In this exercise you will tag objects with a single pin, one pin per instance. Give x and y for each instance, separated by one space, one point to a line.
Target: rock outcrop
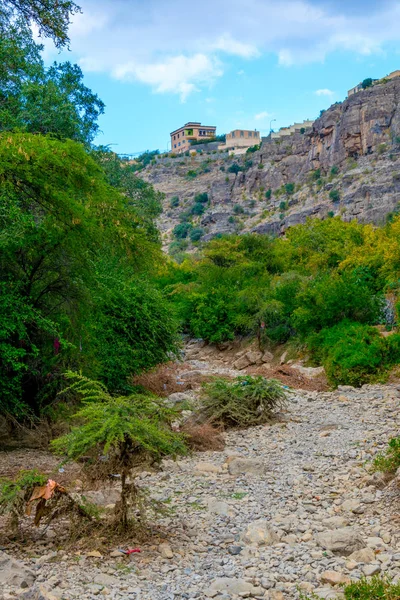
353 148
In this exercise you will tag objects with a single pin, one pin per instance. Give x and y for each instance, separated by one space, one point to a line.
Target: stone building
181 138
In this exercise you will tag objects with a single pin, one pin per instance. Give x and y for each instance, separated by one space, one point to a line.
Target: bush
244 402
334 171
202 198
128 430
282 205
367 83
375 588
191 174
14 494
197 209
289 188
181 231
234 168
174 202
238 210
253 149
203 437
196 234
389 462
334 195
268 194
352 353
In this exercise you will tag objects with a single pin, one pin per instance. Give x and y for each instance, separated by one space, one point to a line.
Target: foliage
196 234
334 170
334 195
373 588
71 247
234 168
389 461
174 202
197 209
352 353
268 194
238 210
289 188
367 83
127 430
14 494
253 149
243 402
51 18
181 230
201 198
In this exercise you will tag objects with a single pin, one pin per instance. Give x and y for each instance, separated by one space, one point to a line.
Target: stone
240 466
217 507
241 363
205 468
38 593
260 533
353 506
335 522
365 555
342 541
267 357
104 579
370 570
229 586
334 578
94 554
253 357
14 573
165 550
178 397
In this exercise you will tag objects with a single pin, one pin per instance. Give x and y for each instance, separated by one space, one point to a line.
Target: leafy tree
51 18
268 194
196 234
202 198
334 195
174 202
234 168
128 430
181 231
366 83
197 209
289 188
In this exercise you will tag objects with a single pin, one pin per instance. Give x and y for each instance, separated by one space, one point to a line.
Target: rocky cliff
348 163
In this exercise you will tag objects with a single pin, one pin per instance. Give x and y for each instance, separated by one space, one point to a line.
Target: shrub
282 205
197 209
352 353
253 149
248 164
128 430
302 130
375 588
202 198
289 188
222 168
234 168
14 494
238 210
191 174
334 195
260 165
181 231
196 234
203 437
227 179
334 171
367 83
174 202
268 194
381 149
243 402
389 462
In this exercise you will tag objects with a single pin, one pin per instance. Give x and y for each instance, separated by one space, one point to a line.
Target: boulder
260 533
177 397
218 507
205 468
14 572
165 551
232 586
334 578
344 541
365 555
37 593
241 363
253 357
241 466
267 357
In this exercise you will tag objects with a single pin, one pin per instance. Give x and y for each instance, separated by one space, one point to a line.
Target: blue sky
231 63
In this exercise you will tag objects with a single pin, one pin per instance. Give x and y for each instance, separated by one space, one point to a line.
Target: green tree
51 18
367 83
129 430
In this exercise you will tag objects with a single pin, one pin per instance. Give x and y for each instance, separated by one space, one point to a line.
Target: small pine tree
127 430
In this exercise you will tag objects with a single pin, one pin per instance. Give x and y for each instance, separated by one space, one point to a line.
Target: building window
179 143
242 134
183 133
174 145
233 134
250 134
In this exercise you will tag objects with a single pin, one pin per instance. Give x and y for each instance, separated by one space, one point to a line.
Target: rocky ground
283 507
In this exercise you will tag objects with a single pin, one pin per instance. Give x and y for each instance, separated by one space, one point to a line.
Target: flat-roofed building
181 138
242 138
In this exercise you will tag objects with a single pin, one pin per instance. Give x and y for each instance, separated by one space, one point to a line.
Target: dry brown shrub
163 380
203 436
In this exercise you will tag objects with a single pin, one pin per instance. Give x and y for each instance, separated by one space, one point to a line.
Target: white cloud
262 116
240 72
324 92
177 74
180 46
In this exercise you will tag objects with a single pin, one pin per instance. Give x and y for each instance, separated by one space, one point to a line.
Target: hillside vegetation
324 288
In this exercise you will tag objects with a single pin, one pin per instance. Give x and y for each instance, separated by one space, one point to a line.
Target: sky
251 64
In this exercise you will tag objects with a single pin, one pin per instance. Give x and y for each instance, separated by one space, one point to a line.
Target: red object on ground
130 551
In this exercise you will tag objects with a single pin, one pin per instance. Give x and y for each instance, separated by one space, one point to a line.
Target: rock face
14 572
359 138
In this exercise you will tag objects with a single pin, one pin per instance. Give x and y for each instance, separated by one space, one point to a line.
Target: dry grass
203 436
163 380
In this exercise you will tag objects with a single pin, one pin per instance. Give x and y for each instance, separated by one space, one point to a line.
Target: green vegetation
244 402
201 198
234 168
181 231
197 209
174 202
374 588
322 287
238 210
367 83
334 195
130 430
389 461
334 171
196 234
14 494
268 194
289 188
253 149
